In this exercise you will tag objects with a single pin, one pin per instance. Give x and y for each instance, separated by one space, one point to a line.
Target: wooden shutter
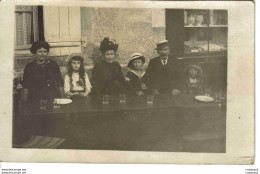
62 29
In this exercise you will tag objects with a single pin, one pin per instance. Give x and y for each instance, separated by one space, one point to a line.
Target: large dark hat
38 45
134 57
107 44
162 43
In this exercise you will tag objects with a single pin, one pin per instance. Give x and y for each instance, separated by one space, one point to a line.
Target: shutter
62 29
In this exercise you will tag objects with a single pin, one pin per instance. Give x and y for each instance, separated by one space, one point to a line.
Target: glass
122 98
150 99
106 99
207 92
43 104
56 104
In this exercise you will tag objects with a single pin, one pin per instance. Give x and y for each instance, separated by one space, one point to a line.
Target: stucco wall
131 28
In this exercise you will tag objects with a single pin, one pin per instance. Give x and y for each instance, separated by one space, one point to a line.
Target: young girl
76 82
135 77
193 82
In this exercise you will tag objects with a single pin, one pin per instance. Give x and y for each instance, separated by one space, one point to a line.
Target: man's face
164 52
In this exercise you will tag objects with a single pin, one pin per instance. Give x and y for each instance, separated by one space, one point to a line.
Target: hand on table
155 91
139 93
176 92
127 79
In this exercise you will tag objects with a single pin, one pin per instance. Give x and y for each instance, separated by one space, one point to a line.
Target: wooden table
134 125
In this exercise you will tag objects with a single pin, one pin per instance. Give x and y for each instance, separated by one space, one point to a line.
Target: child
135 76
76 81
193 82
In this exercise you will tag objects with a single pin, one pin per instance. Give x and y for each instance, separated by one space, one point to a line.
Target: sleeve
96 82
66 84
87 84
149 80
26 77
120 74
57 74
178 80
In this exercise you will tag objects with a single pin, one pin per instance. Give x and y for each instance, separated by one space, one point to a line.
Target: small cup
207 92
106 99
122 98
43 104
56 104
150 99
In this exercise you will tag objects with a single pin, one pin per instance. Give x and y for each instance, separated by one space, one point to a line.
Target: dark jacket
42 81
107 78
164 78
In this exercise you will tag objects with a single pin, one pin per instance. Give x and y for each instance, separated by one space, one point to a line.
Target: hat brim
162 45
130 63
199 68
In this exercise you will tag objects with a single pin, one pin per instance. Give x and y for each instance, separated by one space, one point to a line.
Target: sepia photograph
120 79
127 82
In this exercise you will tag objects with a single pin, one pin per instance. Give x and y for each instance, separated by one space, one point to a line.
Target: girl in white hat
135 77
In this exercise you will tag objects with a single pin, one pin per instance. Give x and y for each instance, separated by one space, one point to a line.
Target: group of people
42 77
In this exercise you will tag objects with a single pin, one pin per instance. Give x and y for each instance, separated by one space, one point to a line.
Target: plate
204 98
62 101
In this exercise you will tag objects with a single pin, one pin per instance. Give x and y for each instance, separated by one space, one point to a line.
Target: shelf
205 26
220 26
192 26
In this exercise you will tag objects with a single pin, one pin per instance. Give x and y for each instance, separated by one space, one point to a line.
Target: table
167 125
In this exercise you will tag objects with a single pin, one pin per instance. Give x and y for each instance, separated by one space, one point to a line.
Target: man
163 74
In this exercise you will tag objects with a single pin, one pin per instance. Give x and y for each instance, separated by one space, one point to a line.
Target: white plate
204 98
62 101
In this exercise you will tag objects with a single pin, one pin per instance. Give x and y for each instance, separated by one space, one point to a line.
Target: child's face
138 64
75 65
109 56
193 72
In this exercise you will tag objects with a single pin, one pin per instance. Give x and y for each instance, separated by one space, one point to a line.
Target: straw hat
134 57
162 43
197 66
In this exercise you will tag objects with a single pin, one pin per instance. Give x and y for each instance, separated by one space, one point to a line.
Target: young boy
193 82
135 77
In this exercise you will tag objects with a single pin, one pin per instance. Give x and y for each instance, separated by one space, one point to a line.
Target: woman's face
109 56
41 54
138 64
193 72
75 64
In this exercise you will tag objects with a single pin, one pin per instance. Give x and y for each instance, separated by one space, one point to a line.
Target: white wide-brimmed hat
134 57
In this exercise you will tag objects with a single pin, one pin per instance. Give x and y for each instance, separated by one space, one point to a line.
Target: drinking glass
43 104
122 98
207 92
150 99
56 104
106 99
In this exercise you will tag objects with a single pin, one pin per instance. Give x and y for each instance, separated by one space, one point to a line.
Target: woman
107 76
42 77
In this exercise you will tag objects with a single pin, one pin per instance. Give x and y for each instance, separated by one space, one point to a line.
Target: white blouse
75 85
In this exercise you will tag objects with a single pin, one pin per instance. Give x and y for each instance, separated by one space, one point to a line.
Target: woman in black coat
107 76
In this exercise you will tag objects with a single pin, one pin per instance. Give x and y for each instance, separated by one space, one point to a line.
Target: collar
191 80
140 76
166 61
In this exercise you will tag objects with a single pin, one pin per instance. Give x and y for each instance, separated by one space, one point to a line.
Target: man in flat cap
163 74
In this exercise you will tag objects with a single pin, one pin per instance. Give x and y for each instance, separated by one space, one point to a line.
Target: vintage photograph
125 79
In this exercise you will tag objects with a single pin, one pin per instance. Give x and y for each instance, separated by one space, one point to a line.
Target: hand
139 93
83 94
143 86
155 91
176 92
127 79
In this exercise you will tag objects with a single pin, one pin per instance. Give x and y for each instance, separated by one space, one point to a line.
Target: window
29 26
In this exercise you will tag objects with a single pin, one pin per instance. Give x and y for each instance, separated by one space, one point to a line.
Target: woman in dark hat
42 78
107 76
135 77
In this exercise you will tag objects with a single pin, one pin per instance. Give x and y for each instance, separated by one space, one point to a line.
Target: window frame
34 12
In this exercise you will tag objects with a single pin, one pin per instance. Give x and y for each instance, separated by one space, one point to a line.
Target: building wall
133 29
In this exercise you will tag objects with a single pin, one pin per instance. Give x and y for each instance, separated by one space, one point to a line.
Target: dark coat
164 78
107 78
42 81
